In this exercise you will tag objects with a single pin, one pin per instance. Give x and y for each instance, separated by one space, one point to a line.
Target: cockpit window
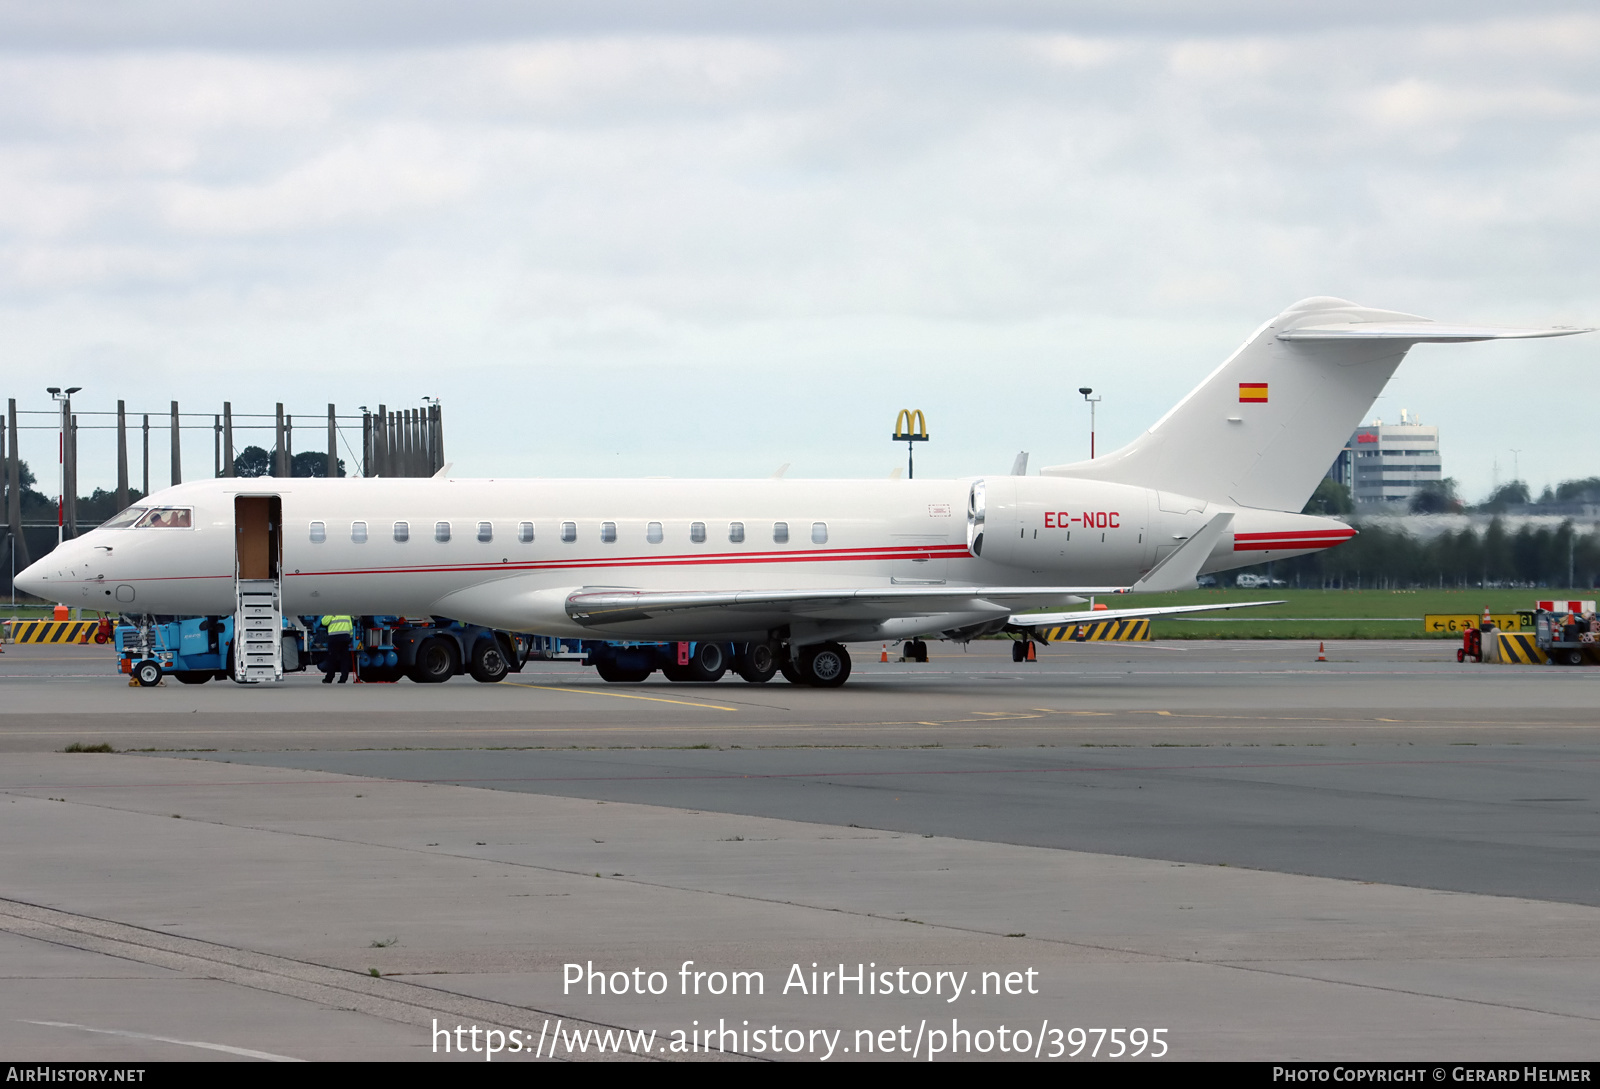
125 519
166 518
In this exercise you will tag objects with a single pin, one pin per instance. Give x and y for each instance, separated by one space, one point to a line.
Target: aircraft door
258 536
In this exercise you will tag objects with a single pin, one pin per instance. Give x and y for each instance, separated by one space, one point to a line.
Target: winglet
1179 570
1019 467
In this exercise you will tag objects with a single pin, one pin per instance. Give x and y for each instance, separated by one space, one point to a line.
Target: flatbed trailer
1566 632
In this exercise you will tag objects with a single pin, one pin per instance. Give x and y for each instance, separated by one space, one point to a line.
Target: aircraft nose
35 579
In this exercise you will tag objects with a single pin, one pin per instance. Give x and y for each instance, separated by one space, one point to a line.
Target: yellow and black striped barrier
1519 648
1100 631
50 631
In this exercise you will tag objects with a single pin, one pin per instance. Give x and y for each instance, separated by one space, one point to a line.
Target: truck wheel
613 673
708 663
1574 657
193 676
825 666
435 662
756 662
147 673
489 661
1461 655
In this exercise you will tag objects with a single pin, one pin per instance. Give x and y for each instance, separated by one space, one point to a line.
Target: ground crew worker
339 629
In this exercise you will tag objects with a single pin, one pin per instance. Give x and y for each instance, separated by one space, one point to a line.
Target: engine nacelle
1100 532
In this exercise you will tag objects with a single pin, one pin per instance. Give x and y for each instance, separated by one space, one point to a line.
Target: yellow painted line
618 695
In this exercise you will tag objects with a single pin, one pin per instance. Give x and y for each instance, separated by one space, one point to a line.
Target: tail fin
1263 428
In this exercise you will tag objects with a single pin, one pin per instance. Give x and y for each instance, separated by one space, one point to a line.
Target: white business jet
778 574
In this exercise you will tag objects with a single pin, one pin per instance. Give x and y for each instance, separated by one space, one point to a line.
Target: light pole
64 399
1085 390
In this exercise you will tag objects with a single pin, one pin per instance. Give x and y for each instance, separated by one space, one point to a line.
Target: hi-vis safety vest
338 625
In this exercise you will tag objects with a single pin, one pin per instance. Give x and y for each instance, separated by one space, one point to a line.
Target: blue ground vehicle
193 649
196 649
427 650
689 661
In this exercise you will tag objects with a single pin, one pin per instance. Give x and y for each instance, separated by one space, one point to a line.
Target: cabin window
441 531
524 532
319 532
653 533
569 531
608 532
358 532
402 531
819 533
125 519
486 531
736 532
697 532
166 518
780 532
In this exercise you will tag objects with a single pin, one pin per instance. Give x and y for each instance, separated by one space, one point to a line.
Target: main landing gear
826 665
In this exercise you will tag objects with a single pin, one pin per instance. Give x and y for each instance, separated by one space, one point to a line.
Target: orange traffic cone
1322 654
1033 655
884 655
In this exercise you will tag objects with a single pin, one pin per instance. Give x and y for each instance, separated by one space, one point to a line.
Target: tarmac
1383 856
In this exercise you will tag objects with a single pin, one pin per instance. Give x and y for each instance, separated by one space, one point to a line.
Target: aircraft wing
601 607
1090 616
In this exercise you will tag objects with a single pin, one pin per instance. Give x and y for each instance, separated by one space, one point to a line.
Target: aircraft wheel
193 676
825 666
613 673
757 662
489 661
147 673
916 650
435 662
1019 651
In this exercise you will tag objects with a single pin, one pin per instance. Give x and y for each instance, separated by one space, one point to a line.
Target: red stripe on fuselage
840 555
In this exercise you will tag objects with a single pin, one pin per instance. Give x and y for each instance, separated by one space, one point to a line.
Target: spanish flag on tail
1252 393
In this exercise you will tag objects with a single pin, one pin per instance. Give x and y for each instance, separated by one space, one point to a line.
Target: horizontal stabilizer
1421 332
1088 616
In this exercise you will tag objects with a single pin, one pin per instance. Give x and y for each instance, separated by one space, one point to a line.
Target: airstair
258 632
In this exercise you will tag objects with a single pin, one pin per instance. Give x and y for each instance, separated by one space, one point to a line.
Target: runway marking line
244 1051
617 695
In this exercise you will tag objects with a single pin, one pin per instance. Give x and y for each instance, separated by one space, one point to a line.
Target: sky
709 239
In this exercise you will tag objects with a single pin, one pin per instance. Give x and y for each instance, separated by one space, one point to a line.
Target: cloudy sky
710 238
